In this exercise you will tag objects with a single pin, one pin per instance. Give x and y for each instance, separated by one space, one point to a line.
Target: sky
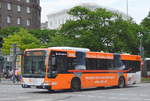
137 9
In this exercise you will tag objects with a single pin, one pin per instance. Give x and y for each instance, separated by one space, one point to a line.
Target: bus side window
71 63
104 64
80 61
135 65
62 63
118 63
91 64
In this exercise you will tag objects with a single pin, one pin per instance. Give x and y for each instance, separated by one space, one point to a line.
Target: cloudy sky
138 9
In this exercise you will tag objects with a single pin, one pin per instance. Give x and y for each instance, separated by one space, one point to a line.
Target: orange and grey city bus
58 68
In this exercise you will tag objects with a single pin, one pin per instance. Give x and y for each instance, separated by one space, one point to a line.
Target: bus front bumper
36 86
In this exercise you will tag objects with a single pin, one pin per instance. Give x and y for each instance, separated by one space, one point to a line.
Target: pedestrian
17 75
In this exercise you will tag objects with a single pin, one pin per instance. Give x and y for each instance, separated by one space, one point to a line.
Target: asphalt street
138 92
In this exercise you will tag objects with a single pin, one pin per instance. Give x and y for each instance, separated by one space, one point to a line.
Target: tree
146 21
22 39
45 36
145 24
4 32
101 30
60 40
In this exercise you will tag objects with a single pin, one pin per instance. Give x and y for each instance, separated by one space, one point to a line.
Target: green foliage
145 24
43 35
22 39
60 40
101 30
97 29
146 21
8 31
145 79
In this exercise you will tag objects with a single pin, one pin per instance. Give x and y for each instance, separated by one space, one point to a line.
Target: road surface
138 92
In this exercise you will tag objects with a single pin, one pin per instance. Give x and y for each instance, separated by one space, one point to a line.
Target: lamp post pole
14 61
127 7
141 48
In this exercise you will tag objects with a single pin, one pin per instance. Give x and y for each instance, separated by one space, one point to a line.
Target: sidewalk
8 82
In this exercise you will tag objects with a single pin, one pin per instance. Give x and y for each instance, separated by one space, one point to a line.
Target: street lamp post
141 48
127 7
14 60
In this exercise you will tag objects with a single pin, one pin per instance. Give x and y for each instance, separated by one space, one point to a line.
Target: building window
8 19
28 22
27 1
19 8
28 10
9 6
19 21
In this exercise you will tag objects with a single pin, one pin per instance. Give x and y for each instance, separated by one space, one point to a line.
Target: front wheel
121 83
75 85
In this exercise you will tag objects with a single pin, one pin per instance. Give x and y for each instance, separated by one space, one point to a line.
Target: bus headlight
46 83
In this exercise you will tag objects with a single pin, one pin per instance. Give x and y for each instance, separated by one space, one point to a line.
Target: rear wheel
75 84
121 83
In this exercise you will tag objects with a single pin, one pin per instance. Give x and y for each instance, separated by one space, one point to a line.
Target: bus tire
75 84
121 82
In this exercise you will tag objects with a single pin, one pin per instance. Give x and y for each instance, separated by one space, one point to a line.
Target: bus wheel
75 84
121 83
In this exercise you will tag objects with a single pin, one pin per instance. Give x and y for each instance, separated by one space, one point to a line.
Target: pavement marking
91 96
123 98
103 93
80 95
122 94
137 99
146 99
143 95
100 96
9 99
113 98
40 100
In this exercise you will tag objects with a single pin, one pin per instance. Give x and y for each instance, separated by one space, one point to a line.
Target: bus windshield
34 64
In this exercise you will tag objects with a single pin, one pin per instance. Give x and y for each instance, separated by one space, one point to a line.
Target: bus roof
35 49
147 58
130 57
71 48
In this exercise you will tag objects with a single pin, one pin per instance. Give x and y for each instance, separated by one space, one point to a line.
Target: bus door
57 72
57 63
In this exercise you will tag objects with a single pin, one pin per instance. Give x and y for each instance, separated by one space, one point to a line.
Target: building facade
55 20
23 13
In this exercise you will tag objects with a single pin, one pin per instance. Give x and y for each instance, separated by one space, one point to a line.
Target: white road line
9 99
146 99
122 94
100 96
137 99
91 96
41 100
123 98
113 98
143 95
80 95
103 93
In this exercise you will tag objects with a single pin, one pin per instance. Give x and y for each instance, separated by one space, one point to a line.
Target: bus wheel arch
121 82
75 84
